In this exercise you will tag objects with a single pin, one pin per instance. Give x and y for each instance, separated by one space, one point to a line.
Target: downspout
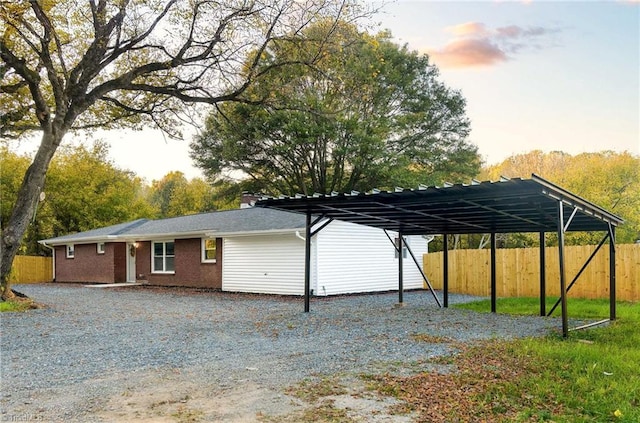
53 258
314 281
298 235
428 238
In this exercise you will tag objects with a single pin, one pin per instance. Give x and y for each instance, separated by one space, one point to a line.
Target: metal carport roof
511 205
507 206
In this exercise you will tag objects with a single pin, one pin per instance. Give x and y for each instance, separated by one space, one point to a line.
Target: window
209 250
100 247
71 251
404 247
163 257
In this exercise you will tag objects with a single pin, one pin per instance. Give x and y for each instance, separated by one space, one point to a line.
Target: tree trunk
25 206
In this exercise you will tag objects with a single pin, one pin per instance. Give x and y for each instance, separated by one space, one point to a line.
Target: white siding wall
355 258
270 264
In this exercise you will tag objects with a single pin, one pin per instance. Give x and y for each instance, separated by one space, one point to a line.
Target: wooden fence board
28 269
518 274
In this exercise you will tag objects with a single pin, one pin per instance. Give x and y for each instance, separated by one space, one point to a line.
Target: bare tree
68 65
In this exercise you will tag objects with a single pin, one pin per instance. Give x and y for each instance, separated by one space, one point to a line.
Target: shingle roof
229 222
100 233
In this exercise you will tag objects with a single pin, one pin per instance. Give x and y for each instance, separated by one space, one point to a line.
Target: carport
507 206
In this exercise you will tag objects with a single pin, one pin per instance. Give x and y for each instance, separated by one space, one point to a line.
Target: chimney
248 200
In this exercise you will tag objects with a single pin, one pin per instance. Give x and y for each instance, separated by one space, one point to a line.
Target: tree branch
31 77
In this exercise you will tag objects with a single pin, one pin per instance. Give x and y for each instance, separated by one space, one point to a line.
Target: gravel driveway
95 352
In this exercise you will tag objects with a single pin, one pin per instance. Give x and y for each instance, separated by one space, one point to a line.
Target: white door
131 262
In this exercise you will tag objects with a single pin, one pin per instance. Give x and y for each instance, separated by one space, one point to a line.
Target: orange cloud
468 52
476 45
467 29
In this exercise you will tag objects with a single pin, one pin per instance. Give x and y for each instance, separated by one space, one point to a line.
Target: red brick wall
87 265
189 270
143 261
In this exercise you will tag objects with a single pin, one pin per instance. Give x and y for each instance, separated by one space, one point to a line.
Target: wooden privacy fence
28 269
518 271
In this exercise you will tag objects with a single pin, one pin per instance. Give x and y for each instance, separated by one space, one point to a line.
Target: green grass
15 306
576 308
593 376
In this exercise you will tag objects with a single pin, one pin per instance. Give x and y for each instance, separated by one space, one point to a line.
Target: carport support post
400 287
445 265
563 283
612 272
493 272
307 263
543 283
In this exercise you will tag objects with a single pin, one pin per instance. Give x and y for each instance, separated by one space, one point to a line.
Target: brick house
244 250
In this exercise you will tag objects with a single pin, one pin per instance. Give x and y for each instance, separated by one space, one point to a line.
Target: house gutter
429 238
214 234
53 258
165 236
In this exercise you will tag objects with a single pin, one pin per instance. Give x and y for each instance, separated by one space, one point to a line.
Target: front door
131 262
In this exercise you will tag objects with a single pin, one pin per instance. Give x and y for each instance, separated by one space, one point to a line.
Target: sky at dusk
536 75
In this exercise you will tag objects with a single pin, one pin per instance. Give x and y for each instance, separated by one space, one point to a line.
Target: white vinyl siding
270 264
354 258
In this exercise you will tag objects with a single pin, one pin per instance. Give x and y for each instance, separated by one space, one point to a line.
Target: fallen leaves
478 391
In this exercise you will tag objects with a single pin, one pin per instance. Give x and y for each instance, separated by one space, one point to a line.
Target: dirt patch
176 397
171 398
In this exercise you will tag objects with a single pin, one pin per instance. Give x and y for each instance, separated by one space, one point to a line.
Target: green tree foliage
12 167
84 191
369 113
69 65
608 179
174 195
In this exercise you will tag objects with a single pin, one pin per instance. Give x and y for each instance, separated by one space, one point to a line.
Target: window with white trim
163 256
209 250
404 247
100 248
71 251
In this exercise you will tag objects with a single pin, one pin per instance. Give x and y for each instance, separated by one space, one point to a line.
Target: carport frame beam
307 254
493 272
307 264
400 270
612 272
563 281
445 266
543 276
415 260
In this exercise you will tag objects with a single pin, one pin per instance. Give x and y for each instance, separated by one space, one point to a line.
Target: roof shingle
238 221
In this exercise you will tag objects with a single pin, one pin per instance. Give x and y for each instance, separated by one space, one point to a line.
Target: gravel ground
69 361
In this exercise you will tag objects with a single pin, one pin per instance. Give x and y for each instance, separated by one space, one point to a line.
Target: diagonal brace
593 254
417 265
